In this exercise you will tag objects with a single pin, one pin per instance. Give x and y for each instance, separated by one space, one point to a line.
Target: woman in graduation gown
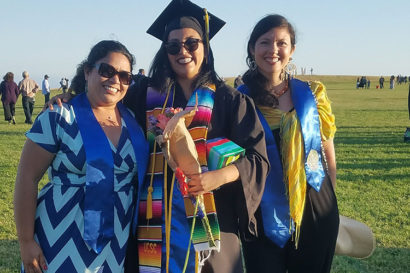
96 155
298 217
184 67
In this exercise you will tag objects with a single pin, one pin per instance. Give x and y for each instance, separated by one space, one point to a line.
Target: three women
183 68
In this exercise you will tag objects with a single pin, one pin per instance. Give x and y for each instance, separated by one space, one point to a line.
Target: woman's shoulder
65 111
317 86
228 91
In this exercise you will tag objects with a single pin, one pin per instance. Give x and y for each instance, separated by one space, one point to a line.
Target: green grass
373 172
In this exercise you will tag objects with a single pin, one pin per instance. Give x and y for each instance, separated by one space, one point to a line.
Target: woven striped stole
206 235
150 231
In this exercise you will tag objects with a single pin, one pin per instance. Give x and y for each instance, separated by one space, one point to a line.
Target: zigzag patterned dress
59 221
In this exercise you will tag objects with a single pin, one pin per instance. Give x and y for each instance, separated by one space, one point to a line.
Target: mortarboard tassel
206 19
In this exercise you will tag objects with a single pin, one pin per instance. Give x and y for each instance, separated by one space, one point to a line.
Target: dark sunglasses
108 71
174 47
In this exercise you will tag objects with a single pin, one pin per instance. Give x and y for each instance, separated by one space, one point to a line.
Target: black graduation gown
235 118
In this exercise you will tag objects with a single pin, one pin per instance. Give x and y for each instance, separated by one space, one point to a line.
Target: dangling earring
290 69
86 87
253 65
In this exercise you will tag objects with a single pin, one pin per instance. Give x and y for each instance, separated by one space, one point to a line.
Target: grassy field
373 172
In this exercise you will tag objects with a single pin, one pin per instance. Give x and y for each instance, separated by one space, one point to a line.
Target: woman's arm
238 121
330 154
205 182
34 161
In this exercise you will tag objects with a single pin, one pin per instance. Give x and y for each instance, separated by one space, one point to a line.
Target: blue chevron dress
59 222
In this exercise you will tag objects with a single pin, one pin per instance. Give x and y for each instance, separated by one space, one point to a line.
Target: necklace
278 93
106 120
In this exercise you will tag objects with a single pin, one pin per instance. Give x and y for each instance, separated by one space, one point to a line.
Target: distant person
67 84
368 84
141 71
381 82
45 89
392 82
363 82
311 71
9 94
63 85
139 77
97 155
357 83
28 89
238 81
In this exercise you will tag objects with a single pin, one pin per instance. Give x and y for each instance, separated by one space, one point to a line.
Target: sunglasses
108 71
174 47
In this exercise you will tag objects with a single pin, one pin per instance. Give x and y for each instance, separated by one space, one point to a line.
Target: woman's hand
32 257
206 182
203 182
59 99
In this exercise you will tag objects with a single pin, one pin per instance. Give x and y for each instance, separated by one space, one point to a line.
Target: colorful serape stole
205 236
150 205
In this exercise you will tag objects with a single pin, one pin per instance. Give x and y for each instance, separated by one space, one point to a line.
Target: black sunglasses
108 71
174 47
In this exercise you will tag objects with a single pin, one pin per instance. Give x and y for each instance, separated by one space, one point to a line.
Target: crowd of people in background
364 83
28 88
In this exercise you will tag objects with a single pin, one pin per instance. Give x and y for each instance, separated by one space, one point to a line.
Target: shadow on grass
10 133
9 256
383 260
372 164
392 136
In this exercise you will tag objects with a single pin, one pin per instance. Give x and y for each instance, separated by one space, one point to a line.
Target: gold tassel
149 203
206 19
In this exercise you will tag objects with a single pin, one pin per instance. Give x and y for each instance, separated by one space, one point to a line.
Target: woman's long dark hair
162 76
99 51
9 77
256 82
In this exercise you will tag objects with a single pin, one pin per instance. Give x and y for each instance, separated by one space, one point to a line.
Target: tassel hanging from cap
206 19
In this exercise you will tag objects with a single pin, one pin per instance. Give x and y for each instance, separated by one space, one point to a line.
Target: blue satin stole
306 109
275 204
99 187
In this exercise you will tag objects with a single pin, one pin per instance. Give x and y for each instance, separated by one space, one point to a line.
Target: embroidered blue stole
306 109
99 187
275 204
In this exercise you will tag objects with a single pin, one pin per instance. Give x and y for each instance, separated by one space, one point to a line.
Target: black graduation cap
181 8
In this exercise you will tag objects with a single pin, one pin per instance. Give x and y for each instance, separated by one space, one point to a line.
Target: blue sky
364 37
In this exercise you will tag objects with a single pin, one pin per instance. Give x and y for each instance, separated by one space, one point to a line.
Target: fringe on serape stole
202 238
